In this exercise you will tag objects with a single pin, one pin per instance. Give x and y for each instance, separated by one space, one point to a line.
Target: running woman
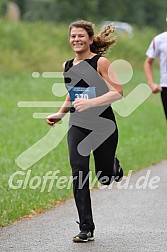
92 88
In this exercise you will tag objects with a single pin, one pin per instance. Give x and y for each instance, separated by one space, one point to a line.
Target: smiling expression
79 40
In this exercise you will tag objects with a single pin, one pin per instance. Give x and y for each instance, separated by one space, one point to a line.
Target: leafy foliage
144 12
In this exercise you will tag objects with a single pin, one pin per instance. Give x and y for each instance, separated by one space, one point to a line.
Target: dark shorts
164 99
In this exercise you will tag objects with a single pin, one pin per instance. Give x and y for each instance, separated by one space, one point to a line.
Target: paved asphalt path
126 220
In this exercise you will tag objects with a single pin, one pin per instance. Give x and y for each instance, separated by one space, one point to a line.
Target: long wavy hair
101 42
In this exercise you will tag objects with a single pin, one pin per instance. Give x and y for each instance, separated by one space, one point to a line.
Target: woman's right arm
149 75
54 118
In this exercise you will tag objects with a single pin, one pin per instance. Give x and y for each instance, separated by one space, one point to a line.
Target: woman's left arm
115 90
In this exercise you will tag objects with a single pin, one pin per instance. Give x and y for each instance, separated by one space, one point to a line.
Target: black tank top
83 80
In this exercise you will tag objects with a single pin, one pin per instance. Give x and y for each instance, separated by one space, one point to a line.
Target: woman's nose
76 38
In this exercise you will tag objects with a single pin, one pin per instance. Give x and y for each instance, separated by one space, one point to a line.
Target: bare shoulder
103 60
103 64
63 65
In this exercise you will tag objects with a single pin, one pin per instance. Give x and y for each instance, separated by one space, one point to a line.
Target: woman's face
79 40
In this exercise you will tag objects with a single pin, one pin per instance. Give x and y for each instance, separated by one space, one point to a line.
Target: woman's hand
81 104
54 118
155 88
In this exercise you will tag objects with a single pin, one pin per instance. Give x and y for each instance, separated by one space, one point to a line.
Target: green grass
142 135
20 131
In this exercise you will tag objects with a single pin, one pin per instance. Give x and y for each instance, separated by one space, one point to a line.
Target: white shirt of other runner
158 49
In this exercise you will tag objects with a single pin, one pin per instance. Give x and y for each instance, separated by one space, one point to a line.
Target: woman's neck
82 56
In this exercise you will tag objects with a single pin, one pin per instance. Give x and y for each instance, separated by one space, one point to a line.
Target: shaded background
140 13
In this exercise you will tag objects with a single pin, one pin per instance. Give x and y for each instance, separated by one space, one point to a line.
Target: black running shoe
119 169
84 236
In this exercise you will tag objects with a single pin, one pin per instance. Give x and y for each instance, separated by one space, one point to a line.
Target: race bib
81 92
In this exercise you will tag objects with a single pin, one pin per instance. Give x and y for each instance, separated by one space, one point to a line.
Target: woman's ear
91 41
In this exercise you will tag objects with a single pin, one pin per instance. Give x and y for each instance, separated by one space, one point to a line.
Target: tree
144 12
